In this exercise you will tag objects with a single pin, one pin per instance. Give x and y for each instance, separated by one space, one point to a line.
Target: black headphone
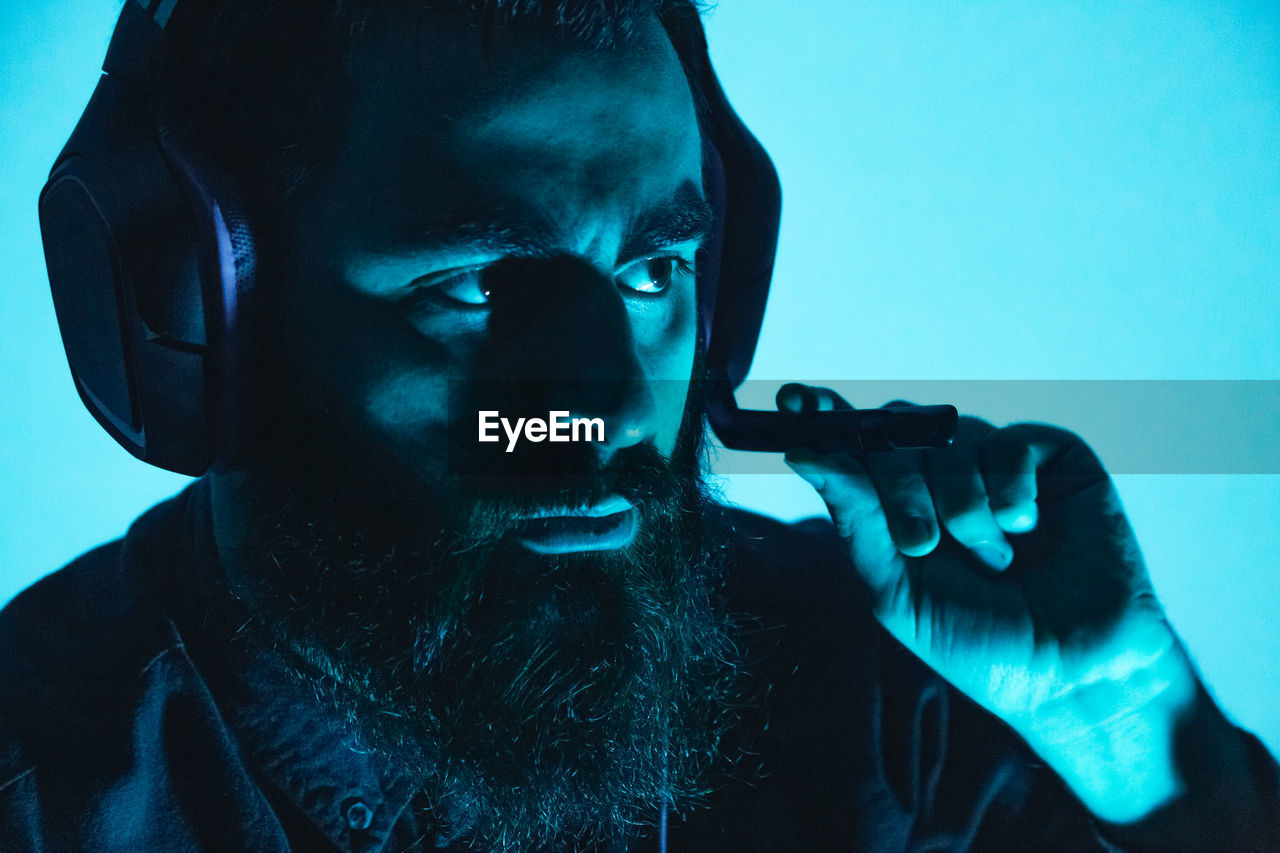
149 254
146 256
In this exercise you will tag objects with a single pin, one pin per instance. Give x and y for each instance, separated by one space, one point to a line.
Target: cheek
356 359
667 353
406 410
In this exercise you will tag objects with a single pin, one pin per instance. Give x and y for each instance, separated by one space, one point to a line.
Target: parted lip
605 525
610 505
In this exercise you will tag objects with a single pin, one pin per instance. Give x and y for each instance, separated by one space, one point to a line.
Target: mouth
607 525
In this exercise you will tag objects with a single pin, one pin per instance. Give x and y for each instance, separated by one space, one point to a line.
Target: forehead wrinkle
587 142
592 210
585 155
634 98
645 113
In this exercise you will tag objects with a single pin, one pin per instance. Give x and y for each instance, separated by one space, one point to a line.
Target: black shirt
132 719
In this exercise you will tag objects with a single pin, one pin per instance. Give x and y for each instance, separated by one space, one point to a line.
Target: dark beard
537 697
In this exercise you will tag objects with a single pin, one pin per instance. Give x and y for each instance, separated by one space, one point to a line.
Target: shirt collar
301 745
351 793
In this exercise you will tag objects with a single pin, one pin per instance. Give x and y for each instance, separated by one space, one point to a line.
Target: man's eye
462 285
653 275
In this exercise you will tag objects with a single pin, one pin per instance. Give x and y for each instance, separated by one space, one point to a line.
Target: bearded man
365 629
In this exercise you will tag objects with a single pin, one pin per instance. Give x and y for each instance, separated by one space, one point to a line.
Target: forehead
442 117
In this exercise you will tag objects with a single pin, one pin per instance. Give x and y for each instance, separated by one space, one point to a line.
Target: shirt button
359 816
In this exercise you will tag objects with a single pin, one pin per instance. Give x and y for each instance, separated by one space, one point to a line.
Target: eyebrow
686 218
478 227
493 228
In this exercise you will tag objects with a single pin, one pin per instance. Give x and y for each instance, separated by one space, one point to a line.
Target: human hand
1005 562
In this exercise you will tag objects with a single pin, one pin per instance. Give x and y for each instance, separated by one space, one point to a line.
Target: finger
898 476
1010 458
899 479
960 495
846 488
1061 463
791 398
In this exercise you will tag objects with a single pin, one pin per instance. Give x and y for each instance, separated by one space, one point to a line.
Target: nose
559 328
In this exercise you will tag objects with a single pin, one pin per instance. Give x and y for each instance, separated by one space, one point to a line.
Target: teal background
979 190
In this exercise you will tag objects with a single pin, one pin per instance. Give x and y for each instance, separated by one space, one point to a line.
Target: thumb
850 495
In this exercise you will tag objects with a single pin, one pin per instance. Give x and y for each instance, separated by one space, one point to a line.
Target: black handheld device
849 431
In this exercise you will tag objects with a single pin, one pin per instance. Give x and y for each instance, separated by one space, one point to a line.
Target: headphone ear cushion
226 256
120 239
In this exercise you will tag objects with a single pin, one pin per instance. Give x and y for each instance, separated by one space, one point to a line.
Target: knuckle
972 511
1004 456
958 487
908 490
845 526
1006 491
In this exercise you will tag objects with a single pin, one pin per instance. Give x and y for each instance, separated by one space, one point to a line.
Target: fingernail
913 530
993 555
806 468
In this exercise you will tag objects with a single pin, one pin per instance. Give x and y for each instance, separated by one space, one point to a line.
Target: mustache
640 473
470 513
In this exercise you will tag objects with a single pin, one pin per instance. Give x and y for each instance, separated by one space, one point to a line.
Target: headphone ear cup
712 250
742 186
121 245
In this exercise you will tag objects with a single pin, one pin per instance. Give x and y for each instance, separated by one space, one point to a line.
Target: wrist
1113 738
1148 752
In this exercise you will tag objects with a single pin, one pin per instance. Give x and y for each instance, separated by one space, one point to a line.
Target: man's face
508 226
511 228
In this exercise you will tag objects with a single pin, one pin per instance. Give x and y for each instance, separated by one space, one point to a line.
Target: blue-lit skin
1065 641
444 172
